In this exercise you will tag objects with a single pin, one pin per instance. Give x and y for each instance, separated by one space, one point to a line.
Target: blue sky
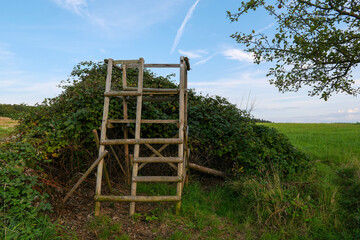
41 41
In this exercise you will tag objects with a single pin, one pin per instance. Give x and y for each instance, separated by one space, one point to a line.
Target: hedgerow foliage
21 204
221 136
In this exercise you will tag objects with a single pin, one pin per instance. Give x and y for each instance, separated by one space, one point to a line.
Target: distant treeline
261 120
13 110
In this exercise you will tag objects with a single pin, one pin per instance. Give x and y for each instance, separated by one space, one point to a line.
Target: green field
336 143
335 153
6 126
323 204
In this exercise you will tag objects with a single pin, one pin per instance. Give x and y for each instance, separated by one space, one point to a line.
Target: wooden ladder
179 162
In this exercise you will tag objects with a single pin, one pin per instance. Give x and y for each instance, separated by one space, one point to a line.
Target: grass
335 152
333 143
105 228
6 126
323 204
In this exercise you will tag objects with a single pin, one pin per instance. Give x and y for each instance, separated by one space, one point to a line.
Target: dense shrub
21 204
221 135
227 138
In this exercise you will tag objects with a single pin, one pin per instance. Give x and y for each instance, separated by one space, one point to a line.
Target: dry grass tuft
7 122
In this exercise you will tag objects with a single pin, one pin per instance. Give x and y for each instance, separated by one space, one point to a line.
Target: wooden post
181 131
103 136
137 132
113 152
126 134
97 141
186 129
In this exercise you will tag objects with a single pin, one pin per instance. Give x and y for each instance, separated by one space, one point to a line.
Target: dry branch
103 154
206 170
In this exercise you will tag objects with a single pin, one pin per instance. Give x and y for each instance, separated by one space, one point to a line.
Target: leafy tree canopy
316 44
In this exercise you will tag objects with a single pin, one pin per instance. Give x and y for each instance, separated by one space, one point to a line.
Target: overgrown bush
21 204
227 138
221 136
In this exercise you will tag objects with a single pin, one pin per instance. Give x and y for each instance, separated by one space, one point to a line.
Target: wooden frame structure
178 162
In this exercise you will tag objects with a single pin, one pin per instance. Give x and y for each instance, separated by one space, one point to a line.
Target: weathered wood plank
103 135
206 170
126 132
107 178
180 170
162 65
143 121
158 160
155 65
121 93
137 132
145 90
157 179
127 62
142 141
157 99
103 198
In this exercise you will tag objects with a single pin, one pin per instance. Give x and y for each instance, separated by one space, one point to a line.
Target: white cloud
193 54
115 17
349 110
80 7
237 54
205 59
353 110
75 6
182 27
26 88
5 54
265 28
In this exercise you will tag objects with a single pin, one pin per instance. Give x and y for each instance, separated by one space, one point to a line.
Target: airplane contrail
181 29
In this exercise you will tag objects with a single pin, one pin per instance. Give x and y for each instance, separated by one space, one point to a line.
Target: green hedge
221 136
21 204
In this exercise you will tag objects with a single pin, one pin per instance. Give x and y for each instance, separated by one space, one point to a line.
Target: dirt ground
77 215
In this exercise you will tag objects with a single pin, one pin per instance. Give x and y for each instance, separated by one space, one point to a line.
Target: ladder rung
157 179
126 62
142 121
158 160
154 65
157 65
154 90
122 93
102 198
142 141
156 99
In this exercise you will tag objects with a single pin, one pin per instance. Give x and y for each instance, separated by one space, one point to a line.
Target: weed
104 228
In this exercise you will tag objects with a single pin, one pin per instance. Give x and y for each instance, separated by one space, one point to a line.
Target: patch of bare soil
77 214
